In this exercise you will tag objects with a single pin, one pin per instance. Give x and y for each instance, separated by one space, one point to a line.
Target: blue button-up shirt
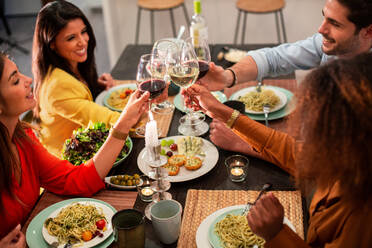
286 58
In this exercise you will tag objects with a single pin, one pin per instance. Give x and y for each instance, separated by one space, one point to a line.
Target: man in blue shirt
345 31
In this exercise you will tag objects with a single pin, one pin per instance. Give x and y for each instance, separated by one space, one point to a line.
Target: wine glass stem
151 116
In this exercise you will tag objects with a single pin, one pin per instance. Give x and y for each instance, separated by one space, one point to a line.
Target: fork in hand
264 188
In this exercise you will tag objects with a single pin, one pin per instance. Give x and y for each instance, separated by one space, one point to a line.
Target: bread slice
173 170
177 160
193 163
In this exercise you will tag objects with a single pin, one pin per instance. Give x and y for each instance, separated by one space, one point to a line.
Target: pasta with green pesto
70 223
255 101
234 232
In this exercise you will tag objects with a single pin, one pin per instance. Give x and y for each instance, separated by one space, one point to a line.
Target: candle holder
144 190
237 167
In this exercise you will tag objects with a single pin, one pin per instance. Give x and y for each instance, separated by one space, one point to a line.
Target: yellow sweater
66 104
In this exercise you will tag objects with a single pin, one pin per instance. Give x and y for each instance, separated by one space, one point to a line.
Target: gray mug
166 220
129 228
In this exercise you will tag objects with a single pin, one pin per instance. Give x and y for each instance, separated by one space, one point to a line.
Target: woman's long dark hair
8 162
51 19
335 109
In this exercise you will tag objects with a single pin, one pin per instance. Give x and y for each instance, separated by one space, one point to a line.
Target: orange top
331 223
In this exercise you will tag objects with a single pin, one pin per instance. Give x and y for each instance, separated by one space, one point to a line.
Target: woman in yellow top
334 118
65 75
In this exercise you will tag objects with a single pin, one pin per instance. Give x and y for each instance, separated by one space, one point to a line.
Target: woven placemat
163 120
201 203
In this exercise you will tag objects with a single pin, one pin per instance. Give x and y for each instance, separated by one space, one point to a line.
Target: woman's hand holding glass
138 103
198 98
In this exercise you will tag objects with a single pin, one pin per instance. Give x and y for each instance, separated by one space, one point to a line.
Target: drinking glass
184 72
202 52
148 80
164 52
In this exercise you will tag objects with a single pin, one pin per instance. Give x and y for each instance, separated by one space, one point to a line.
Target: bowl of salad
86 141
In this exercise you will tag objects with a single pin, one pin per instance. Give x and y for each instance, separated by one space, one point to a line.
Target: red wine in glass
154 86
203 68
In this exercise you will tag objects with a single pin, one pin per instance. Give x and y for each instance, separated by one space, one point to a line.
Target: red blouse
42 169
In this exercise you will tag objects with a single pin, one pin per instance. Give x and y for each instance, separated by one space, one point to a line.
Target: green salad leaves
85 142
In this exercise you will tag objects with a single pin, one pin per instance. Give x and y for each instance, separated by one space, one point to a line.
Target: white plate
209 161
108 212
202 240
234 55
101 96
280 94
107 180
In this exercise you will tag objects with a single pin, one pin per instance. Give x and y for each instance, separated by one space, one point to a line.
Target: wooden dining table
260 171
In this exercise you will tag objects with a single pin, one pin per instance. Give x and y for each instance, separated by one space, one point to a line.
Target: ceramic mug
166 220
129 228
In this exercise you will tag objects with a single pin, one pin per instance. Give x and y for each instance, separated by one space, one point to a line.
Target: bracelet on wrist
235 79
234 116
118 134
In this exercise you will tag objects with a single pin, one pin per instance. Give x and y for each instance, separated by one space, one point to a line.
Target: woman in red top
25 165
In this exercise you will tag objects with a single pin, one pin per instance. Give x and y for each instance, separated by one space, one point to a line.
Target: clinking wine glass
202 52
151 82
184 73
164 51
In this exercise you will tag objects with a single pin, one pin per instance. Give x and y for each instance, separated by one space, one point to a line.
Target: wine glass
203 53
184 73
149 81
164 51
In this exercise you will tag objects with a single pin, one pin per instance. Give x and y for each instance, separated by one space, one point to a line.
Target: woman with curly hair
332 156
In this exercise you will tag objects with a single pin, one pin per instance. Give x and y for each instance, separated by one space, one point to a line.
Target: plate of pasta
206 235
82 224
254 101
34 233
117 97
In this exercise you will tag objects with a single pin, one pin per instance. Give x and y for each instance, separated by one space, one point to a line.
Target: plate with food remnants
234 55
124 181
187 157
80 223
254 101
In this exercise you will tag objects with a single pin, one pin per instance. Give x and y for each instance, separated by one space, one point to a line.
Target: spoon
180 32
264 188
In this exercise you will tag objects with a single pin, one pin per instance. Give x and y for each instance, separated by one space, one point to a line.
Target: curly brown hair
335 112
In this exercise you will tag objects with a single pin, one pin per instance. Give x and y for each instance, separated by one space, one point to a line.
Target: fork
264 188
258 87
266 110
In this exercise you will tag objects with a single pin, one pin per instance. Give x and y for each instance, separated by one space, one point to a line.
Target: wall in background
22 7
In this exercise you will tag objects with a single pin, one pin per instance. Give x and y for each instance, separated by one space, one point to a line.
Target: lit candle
237 171
147 191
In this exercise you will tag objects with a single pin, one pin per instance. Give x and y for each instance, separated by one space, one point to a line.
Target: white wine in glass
184 72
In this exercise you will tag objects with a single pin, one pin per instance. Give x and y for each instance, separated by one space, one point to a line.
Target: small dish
107 180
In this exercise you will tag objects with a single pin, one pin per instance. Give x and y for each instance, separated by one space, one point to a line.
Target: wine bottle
198 27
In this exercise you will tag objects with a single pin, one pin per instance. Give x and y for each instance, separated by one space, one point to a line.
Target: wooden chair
159 5
260 7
